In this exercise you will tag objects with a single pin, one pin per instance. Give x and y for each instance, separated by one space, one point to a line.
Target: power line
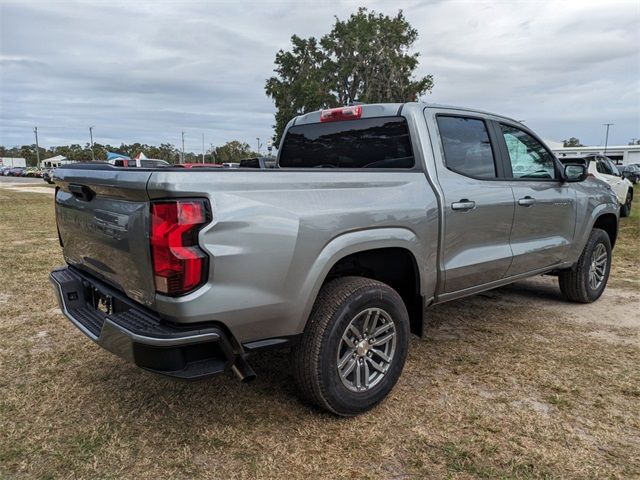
182 158
93 158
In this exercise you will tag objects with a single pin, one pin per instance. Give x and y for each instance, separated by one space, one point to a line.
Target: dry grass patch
626 258
512 383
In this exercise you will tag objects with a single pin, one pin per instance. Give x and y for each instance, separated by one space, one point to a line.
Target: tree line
232 151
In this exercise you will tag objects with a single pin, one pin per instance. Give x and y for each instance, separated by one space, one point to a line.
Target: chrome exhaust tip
243 370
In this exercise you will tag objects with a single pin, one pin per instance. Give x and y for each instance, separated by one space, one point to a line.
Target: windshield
574 160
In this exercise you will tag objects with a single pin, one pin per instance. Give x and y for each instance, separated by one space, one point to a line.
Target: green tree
572 142
233 151
364 58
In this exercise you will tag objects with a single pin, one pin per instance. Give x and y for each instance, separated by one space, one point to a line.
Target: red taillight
341 113
179 265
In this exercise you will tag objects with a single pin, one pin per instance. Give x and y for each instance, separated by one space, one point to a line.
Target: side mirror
575 173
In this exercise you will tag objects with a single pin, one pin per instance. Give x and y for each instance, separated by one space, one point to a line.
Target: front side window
529 158
381 142
467 148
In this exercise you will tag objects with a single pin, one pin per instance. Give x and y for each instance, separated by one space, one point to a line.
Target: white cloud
144 71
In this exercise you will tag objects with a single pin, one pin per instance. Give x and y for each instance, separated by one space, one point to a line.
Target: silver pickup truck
372 214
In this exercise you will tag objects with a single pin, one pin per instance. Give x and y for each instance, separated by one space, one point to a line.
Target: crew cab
373 214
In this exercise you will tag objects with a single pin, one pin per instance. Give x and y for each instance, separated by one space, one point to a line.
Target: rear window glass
467 148
381 142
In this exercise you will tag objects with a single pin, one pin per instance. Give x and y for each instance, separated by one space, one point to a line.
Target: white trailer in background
13 162
56 161
620 154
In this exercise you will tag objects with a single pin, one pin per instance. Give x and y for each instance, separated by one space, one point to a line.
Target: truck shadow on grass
460 321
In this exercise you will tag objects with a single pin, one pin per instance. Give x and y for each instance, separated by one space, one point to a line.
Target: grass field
513 383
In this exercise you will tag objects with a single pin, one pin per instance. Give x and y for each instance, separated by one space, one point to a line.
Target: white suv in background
603 168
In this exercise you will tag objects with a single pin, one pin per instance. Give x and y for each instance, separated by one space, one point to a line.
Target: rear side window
381 142
467 148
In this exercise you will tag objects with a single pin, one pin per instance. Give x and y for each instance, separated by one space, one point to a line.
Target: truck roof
392 109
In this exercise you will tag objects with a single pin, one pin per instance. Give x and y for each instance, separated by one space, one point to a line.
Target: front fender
582 236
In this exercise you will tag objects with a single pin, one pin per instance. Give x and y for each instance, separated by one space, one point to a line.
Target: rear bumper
137 335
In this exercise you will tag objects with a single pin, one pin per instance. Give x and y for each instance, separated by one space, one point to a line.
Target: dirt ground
511 383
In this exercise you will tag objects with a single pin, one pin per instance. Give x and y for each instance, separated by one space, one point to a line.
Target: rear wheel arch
396 267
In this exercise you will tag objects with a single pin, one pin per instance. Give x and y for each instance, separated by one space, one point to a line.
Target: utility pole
91 138
606 138
203 148
259 144
182 158
35 130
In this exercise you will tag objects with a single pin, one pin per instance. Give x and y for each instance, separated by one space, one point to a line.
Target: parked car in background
603 168
33 172
16 172
630 172
199 165
47 175
374 213
4 171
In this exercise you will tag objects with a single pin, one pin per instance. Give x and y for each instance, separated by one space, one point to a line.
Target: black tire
574 282
625 209
314 359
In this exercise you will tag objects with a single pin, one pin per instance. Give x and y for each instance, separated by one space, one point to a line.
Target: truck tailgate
103 218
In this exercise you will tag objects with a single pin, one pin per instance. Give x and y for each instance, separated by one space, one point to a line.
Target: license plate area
104 302
99 300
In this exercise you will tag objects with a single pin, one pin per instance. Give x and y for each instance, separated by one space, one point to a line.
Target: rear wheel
625 209
587 279
354 346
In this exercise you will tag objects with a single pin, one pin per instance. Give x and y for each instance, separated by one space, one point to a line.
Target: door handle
527 201
463 205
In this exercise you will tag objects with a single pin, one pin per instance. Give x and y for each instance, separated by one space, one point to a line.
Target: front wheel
587 279
354 346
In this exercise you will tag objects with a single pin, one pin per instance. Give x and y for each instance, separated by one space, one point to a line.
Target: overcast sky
145 70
